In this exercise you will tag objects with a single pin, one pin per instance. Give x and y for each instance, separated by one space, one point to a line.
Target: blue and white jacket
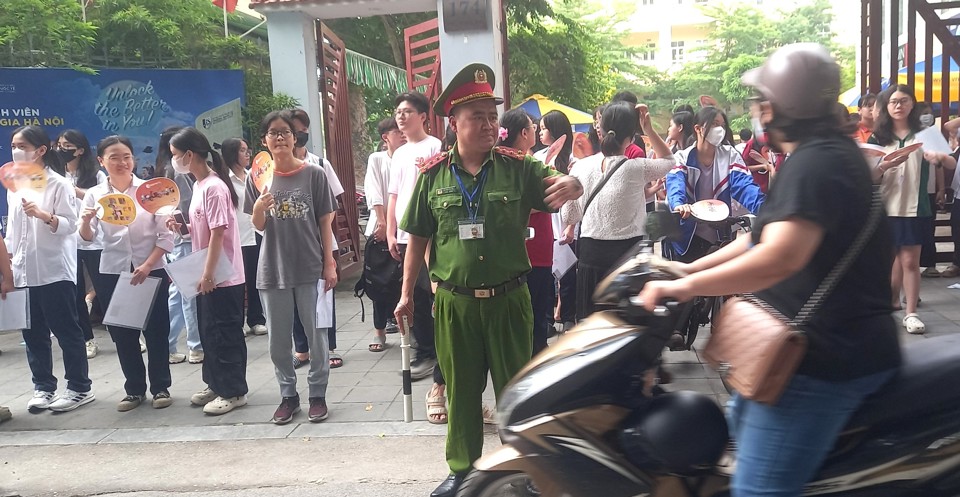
732 179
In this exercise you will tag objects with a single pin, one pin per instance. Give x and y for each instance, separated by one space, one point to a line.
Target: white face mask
757 126
715 136
24 156
927 120
179 166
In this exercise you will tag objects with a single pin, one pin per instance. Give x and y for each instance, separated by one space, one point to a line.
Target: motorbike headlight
552 373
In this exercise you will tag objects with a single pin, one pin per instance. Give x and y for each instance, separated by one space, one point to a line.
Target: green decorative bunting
370 72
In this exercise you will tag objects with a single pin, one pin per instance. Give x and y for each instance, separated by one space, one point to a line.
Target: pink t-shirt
210 208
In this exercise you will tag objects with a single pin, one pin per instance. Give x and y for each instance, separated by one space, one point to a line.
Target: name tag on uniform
471 229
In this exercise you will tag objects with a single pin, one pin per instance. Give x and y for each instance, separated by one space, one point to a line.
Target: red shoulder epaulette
427 164
510 152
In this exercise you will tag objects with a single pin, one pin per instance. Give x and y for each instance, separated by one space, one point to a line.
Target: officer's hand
404 310
561 189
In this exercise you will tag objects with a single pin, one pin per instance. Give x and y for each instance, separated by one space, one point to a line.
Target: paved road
363 449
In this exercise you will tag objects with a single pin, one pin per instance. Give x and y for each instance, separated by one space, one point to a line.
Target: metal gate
422 45
331 55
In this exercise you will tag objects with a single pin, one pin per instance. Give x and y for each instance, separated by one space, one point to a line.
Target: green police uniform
483 314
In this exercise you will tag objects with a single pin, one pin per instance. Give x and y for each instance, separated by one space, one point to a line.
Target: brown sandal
437 409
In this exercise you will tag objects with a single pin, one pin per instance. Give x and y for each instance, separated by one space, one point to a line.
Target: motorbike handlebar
664 310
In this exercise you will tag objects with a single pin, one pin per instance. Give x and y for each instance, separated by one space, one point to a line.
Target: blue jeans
781 447
183 312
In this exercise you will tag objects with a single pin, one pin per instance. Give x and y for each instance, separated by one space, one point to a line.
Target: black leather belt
485 293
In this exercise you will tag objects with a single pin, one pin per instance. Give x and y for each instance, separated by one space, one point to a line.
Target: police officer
471 206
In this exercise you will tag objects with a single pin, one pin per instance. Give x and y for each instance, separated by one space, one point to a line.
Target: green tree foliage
185 34
575 55
44 33
741 39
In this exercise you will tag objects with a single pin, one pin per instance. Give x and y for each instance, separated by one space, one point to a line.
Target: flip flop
379 343
298 363
335 361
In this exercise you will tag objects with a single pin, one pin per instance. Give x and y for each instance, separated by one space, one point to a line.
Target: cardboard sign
159 196
116 208
554 150
262 171
23 176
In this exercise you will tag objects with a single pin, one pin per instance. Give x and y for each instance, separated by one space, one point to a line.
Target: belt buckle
482 293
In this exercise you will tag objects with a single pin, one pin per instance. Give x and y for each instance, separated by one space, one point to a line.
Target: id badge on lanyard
471 227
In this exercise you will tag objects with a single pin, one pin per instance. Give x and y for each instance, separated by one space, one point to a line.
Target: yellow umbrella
537 105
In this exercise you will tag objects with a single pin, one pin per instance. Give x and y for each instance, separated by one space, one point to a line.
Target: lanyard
473 207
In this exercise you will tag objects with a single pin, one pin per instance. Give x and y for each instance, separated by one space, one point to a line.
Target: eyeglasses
405 112
901 102
492 120
245 152
285 133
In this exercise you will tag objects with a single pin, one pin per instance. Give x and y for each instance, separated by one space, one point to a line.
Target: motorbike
586 418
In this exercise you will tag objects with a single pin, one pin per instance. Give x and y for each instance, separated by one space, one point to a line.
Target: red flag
231 4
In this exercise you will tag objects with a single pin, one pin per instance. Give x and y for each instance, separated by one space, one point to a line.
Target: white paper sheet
324 307
15 311
563 259
131 305
933 140
187 271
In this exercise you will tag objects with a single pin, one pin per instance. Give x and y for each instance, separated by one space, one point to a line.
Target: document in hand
186 272
15 310
563 259
324 306
933 141
131 305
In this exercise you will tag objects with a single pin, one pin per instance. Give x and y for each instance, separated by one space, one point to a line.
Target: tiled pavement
364 395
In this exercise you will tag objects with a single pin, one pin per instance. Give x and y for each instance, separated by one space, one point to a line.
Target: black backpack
382 274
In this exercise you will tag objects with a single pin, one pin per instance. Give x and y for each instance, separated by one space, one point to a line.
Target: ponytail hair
191 139
514 121
617 127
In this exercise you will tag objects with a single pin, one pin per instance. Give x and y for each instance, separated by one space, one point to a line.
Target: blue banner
136 103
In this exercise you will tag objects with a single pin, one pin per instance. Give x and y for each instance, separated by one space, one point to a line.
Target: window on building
648 51
647 2
676 51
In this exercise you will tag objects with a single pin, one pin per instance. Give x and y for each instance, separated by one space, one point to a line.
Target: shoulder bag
755 348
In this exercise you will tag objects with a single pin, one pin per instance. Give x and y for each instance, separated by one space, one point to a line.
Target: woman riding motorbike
819 203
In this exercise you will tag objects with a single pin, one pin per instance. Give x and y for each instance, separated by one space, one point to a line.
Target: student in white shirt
614 221
301 130
236 155
41 238
137 248
84 172
375 186
411 115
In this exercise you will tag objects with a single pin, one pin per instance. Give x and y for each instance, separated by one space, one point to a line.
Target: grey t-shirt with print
292 253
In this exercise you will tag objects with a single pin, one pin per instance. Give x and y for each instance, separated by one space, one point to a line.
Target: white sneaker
221 405
92 348
195 357
259 330
203 397
71 400
143 345
177 358
41 400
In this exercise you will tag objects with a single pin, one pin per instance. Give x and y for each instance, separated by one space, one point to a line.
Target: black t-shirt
827 181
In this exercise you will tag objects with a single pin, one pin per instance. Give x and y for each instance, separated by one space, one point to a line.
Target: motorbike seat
929 371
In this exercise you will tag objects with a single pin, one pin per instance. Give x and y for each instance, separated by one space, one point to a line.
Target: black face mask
66 155
302 137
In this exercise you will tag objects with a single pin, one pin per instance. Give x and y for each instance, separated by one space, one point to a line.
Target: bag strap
836 274
603 181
